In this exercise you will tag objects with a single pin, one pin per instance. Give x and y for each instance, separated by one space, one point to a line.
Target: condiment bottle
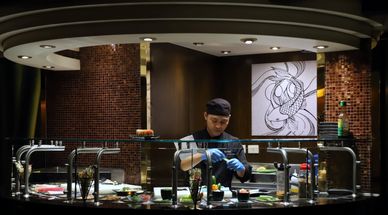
304 181
322 177
343 121
280 180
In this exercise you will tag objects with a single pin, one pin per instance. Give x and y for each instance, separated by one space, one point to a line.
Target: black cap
218 106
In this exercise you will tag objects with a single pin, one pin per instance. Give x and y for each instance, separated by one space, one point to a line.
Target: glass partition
140 171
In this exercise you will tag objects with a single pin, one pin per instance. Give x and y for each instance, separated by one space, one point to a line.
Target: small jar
294 185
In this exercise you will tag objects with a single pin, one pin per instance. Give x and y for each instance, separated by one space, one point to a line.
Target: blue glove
235 164
216 155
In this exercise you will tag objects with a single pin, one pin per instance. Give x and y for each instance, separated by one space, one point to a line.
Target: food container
243 195
166 193
218 195
127 192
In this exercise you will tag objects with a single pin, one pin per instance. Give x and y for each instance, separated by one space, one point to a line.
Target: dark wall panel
182 81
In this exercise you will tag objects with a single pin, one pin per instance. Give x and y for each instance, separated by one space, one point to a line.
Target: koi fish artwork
284 99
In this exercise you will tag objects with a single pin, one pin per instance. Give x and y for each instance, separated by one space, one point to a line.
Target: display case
96 173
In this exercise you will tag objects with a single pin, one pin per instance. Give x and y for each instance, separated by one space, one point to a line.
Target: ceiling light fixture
47 46
248 41
321 47
148 39
48 67
225 52
274 48
24 57
198 43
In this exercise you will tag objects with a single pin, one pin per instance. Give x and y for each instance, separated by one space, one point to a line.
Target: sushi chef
228 158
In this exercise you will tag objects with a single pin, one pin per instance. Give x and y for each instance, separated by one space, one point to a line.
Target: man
228 159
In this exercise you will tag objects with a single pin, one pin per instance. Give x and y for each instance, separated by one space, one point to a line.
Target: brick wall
101 101
348 77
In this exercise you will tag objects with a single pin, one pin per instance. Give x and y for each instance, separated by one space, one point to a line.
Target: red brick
101 101
350 77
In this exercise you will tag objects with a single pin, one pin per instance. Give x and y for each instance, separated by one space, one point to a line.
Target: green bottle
343 121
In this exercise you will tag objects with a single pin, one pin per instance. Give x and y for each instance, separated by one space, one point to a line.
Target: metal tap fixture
18 156
283 153
36 148
355 162
82 150
311 156
97 172
12 182
176 164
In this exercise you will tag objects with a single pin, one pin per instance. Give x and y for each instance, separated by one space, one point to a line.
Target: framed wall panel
284 99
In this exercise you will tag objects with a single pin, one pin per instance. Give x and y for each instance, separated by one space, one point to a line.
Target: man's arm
185 159
188 163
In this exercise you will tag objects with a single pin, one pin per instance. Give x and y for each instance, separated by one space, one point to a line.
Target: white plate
144 137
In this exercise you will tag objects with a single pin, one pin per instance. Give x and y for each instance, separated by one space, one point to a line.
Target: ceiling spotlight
248 41
275 48
148 39
48 67
47 46
24 57
225 52
321 47
198 43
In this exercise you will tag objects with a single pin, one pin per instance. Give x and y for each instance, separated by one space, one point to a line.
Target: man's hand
235 164
216 155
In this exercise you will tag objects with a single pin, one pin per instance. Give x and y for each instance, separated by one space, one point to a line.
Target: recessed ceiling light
275 48
47 46
198 43
148 39
248 41
24 57
48 67
225 52
321 47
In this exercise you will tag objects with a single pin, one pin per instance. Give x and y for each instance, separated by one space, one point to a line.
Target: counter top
228 204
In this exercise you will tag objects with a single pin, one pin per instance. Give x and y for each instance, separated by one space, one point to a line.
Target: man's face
216 124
